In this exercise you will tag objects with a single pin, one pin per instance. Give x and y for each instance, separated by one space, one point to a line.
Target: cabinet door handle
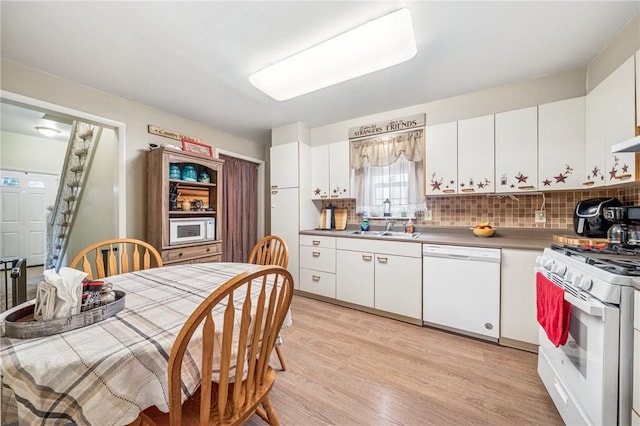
448 191
274 186
383 259
588 182
334 195
526 187
274 192
316 254
624 176
366 257
316 242
316 277
468 190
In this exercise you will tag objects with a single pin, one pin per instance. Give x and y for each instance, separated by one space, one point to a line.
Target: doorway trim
261 180
120 185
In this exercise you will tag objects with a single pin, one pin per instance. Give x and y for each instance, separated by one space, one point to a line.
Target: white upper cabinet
611 119
516 150
320 172
476 155
594 146
284 165
561 144
620 122
442 159
638 88
330 171
339 170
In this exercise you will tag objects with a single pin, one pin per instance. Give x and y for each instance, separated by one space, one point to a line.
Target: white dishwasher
461 289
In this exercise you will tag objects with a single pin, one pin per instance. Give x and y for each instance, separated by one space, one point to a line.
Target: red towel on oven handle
552 310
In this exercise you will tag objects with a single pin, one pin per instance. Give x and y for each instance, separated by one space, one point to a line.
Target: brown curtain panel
239 208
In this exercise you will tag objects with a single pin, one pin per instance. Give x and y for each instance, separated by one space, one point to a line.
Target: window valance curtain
385 150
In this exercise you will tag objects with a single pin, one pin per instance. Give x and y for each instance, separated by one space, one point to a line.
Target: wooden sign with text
372 129
171 134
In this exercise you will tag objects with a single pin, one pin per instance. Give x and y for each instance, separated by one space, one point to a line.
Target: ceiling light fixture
376 45
47 131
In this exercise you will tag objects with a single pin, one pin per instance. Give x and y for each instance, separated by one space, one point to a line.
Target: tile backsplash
505 211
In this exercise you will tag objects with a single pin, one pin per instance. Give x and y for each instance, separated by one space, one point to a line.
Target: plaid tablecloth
106 373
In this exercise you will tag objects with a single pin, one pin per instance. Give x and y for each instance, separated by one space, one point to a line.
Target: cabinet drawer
181 253
316 241
318 258
317 282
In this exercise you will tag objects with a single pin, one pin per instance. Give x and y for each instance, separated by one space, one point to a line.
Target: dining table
108 372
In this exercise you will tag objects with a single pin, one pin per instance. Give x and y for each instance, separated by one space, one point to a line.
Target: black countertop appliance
588 217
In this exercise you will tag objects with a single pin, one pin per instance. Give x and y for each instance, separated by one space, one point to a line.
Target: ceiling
193 59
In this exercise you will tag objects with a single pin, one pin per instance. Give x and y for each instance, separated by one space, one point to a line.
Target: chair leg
272 418
281 358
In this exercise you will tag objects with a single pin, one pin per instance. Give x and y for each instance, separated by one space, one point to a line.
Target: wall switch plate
540 216
427 215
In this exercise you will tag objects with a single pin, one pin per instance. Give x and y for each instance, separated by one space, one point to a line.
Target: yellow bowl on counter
483 232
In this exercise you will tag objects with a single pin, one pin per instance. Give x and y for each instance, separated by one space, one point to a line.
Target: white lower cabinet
398 285
318 265
355 280
635 412
384 275
518 321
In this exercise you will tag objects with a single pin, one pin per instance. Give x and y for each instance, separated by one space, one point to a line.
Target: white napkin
68 284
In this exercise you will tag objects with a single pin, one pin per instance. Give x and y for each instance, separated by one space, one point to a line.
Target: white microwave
189 230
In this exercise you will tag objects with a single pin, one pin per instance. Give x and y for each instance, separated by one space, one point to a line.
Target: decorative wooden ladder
80 152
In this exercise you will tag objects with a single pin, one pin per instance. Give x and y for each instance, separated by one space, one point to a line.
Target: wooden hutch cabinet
167 193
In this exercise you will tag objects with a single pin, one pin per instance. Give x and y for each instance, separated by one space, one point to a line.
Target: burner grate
614 259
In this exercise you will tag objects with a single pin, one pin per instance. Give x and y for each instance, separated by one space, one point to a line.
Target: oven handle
594 307
586 307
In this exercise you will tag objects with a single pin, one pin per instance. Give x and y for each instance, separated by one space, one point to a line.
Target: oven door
582 375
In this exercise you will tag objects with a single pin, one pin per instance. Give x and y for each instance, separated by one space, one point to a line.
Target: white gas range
589 378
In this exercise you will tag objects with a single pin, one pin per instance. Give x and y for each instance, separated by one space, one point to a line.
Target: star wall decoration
613 173
562 176
521 178
625 168
435 183
339 191
595 172
317 191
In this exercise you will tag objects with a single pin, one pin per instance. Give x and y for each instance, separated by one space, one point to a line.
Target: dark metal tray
20 324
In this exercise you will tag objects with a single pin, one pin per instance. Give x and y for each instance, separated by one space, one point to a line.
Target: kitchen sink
386 234
399 234
372 233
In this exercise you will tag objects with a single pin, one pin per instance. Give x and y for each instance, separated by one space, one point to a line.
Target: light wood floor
346 367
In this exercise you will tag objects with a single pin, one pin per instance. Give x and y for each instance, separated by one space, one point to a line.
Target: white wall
95 221
31 153
625 44
22 80
563 85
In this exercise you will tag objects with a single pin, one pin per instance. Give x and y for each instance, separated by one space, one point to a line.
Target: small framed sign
197 148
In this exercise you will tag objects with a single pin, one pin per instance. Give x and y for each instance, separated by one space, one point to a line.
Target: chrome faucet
390 223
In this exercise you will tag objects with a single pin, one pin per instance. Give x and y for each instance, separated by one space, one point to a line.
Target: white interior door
24 199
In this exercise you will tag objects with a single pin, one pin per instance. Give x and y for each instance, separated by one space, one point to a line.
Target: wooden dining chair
117 256
236 326
272 250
